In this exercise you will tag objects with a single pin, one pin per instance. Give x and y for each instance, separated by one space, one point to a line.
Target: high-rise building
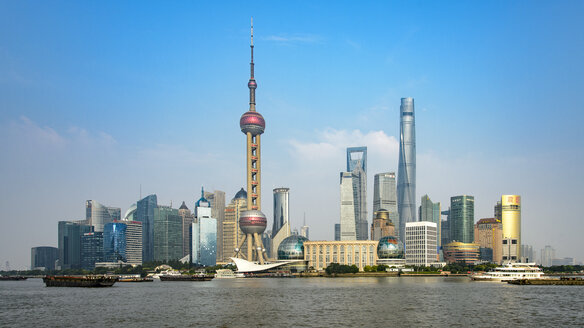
167 234
114 241
461 219
457 252
281 228
527 254
122 241
304 230
488 234
406 173
133 242
357 165
430 212
217 201
347 225
511 220
232 235
70 243
548 253
145 214
445 230
91 249
382 225
337 231
187 221
204 234
253 222
130 213
98 215
421 243
43 258
385 196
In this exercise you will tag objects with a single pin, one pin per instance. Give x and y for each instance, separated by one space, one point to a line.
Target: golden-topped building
511 221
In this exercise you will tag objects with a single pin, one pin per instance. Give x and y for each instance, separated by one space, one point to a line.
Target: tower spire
252 85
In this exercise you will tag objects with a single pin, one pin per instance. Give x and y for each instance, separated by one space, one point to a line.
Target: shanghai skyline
104 102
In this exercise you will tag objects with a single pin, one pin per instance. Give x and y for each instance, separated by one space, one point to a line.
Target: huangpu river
297 302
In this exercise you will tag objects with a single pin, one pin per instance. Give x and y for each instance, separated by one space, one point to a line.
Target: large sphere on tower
253 221
252 122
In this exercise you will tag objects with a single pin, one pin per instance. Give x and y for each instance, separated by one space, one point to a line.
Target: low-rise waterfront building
320 254
457 252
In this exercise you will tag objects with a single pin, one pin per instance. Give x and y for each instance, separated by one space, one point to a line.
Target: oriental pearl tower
252 222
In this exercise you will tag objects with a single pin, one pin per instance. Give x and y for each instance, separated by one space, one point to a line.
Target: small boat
185 277
12 278
510 271
80 281
226 274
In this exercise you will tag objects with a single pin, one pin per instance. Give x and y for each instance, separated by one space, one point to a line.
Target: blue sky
98 98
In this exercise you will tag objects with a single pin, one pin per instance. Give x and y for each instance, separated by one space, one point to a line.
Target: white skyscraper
421 242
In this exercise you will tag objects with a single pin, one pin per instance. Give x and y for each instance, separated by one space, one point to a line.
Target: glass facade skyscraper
204 234
461 219
281 227
167 234
430 212
145 214
406 174
357 166
114 242
70 243
347 226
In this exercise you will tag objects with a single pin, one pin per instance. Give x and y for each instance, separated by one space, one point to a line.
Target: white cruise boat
511 271
226 273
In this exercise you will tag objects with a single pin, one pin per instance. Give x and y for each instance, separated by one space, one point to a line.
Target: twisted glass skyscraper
406 174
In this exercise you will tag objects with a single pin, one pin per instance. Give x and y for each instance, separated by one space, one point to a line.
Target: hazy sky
98 98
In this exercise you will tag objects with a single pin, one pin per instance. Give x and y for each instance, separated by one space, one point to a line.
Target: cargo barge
13 278
184 277
79 281
548 281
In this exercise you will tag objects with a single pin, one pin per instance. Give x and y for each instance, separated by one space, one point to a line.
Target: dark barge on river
80 281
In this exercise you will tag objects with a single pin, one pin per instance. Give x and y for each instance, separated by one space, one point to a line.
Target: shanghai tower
406 174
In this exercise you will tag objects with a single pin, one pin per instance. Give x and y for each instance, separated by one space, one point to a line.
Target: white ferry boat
511 271
226 273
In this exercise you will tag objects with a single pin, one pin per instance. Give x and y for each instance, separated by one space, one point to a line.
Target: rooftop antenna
252 85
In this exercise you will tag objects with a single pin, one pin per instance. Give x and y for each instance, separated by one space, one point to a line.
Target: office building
406 174
382 225
488 234
253 222
348 227
385 197
563 261
167 234
217 201
357 166
98 215
130 213
70 243
232 235
187 220
145 214
320 254
430 212
43 258
511 220
133 242
337 231
304 230
457 252
421 243
461 219
281 227
91 249
204 234
114 242
548 253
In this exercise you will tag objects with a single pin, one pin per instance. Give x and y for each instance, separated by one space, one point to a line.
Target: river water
299 302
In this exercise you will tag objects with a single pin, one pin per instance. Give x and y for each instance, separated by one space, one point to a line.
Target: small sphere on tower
252 84
252 221
252 122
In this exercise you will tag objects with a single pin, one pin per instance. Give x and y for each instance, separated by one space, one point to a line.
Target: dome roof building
292 248
390 247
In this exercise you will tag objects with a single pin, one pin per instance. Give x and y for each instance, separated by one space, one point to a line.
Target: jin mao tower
253 222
